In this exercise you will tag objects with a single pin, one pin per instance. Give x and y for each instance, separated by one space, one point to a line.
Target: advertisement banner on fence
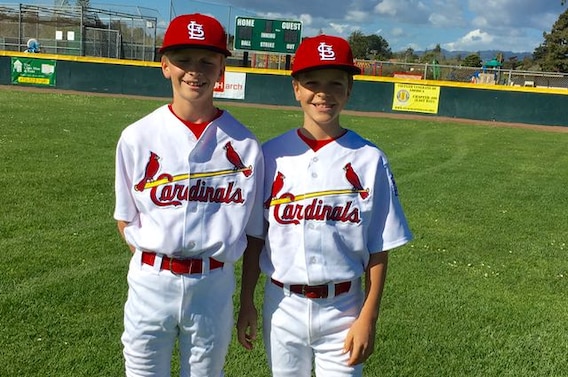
416 98
33 71
231 85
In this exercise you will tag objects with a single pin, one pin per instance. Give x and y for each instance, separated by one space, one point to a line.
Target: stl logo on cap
196 31
326 51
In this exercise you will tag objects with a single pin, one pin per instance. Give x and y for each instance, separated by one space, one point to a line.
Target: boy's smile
322 94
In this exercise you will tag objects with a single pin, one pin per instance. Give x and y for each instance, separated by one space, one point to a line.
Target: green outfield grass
481 291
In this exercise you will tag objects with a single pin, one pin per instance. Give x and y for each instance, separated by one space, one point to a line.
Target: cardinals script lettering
174 194
293 213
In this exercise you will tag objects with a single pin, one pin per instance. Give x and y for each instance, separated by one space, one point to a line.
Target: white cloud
447 13
440 20
516 13
339 28
356 16
306 19
398 32
474 40
413 11
388 7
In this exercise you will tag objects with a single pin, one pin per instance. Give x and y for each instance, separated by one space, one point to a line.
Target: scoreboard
278 36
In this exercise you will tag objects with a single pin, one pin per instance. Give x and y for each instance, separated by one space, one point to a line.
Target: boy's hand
246 325
360 341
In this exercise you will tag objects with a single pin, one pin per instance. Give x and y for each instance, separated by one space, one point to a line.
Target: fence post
82 35
20 27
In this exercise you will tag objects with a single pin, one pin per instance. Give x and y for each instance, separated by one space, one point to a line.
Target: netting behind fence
72 30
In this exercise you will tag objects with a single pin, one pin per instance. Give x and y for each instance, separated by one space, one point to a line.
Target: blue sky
470 25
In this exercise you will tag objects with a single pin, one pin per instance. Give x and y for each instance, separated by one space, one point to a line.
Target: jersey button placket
312 241
307 225
312 167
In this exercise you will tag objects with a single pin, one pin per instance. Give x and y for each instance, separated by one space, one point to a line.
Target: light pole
229 27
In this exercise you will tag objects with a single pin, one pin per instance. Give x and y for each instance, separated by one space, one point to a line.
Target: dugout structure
79 31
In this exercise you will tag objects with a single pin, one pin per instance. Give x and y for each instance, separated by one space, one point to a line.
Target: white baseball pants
299 332
162 307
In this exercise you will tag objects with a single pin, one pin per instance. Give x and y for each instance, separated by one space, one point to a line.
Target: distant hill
484 55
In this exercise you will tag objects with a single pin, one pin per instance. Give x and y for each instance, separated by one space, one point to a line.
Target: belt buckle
310 293
171 267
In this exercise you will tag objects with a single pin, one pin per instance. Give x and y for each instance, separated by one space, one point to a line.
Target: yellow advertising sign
416 98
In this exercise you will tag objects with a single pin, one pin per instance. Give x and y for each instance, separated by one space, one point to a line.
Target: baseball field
481 291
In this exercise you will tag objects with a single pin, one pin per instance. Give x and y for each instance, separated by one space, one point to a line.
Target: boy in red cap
188 195
333 213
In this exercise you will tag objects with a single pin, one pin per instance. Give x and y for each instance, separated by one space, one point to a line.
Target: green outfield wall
541 106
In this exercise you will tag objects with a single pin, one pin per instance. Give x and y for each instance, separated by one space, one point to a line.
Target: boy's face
193 72
323 93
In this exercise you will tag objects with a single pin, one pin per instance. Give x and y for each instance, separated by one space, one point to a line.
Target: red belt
181 266
315 291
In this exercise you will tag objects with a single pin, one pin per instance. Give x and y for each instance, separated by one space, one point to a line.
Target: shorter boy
333 211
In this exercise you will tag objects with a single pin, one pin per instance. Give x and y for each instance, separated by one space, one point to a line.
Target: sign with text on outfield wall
257 34
416 98
231 85
33 71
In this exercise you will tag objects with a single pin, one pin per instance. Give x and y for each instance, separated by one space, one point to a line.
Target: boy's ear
350 86
296 87
165 67
223 66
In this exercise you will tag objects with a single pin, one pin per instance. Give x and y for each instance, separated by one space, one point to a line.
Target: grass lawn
481 291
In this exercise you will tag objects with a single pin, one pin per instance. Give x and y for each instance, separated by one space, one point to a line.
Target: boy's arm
121 225
360 340
248 316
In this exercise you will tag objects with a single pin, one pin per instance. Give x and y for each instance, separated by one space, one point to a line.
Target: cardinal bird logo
353 178
152 167
276 187
235 159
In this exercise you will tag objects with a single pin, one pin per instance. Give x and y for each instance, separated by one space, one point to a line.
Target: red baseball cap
195 31
324 51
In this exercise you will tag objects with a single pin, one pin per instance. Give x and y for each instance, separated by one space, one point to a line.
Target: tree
552 54
369 46
472 60
409 56
378 47
438 51
358 45
434 54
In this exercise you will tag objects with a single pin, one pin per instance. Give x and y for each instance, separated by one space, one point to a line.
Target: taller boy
333 212
188 193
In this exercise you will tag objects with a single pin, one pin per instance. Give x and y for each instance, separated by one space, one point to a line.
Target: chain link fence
73 30
429 71
479 75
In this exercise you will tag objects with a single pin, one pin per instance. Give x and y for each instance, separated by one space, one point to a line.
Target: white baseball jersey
328 210
186 197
